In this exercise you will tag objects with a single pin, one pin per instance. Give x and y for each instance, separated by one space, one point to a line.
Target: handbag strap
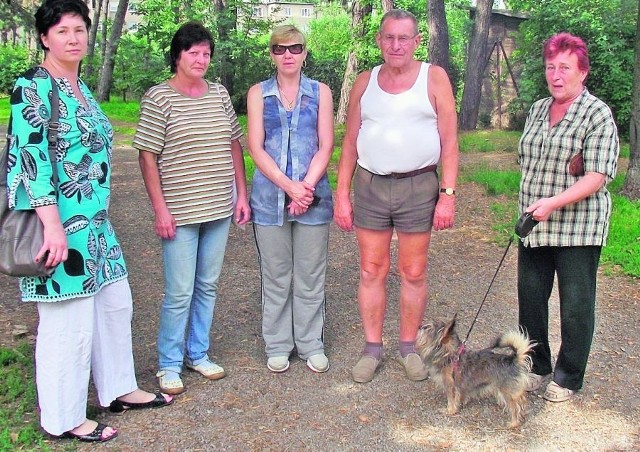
54 126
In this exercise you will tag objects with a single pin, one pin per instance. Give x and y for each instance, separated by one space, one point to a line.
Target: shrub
14 60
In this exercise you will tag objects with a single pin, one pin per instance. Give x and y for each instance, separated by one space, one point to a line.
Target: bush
14 60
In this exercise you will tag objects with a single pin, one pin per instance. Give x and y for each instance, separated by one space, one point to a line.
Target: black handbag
21 231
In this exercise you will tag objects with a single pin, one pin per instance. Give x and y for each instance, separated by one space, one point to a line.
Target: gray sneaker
365 369
414 367
278 364
318 363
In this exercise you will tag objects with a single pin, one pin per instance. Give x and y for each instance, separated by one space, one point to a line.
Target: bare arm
343 210
587 185
165 223
441 96
298 191
320 161
242 213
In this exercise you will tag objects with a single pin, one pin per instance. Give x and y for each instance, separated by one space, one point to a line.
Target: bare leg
374 268
412 266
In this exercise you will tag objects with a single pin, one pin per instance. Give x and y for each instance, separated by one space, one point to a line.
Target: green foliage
329 43
19 427
14 60
489 141
140 65
624 150
118 110
607 27
5 110
623 242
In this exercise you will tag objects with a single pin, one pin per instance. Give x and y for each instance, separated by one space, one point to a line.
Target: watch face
448 191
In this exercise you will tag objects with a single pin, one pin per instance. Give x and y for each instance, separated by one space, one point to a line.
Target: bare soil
254 409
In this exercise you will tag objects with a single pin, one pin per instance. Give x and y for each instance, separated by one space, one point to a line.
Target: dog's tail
521 345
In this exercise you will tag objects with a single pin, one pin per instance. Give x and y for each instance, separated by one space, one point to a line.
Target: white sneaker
170 382
208 369
318 363
278 364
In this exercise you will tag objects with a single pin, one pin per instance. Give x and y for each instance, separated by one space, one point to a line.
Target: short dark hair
187 36
51 11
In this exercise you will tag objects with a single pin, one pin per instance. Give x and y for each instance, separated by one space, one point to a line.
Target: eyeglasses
294 49
402 40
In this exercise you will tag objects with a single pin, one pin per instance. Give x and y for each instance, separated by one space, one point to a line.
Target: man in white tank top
401 123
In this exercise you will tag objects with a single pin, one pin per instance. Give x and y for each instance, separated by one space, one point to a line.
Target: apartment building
297 13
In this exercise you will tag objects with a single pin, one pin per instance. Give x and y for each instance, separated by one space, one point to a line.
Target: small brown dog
499 371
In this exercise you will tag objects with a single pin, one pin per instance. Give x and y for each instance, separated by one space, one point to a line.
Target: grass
488 141
19 428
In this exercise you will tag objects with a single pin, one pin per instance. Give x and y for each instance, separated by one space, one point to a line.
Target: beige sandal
556 393
534 381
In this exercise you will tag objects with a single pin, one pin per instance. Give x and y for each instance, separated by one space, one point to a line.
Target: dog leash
462 348
488 290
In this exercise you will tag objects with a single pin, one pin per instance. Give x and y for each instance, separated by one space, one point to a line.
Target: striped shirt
544 155
192 138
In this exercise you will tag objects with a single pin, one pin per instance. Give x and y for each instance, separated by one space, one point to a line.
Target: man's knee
412 273
372 272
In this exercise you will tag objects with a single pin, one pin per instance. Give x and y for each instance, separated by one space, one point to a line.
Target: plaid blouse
544 154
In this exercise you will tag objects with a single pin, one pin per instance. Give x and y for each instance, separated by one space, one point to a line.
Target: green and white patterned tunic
83 162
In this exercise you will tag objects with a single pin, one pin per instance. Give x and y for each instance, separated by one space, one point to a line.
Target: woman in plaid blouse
568 153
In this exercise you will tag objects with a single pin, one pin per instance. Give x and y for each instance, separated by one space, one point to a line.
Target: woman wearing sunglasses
290 126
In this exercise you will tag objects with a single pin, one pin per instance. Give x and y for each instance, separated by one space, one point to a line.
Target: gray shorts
382 202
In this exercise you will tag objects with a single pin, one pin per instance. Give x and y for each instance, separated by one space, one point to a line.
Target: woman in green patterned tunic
85 306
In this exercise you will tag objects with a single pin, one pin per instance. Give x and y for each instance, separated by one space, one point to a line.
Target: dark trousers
576 268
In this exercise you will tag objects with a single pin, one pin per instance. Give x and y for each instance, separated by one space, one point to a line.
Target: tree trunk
359 16
438 35
631 187
387 5
226 20
106 73
92 38
476 60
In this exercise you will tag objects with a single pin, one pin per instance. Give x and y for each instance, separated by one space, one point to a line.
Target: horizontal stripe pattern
192 138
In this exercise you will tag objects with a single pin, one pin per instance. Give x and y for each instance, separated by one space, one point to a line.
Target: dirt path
253 409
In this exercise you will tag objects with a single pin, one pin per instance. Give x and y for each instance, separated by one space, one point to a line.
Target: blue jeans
192 265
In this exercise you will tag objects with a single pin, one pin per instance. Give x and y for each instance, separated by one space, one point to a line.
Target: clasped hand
301 195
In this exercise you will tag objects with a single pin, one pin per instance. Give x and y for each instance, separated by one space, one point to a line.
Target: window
286 11
305 12
257 11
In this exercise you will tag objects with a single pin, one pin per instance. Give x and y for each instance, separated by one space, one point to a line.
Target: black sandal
94 437
118 406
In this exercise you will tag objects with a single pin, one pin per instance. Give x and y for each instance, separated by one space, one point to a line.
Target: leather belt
426 169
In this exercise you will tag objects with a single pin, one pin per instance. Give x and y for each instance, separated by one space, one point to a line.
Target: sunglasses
294 49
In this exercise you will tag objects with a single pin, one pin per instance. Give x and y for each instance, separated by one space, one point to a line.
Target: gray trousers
293 264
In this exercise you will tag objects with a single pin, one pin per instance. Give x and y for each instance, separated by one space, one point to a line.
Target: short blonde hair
285 33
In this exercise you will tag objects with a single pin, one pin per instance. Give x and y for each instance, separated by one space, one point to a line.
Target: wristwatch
448 191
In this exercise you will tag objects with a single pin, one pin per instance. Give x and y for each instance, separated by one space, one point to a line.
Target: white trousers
78 337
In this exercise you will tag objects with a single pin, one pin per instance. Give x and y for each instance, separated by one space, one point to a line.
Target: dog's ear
449 327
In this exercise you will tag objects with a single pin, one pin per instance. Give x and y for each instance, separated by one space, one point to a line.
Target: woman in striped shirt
191 160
